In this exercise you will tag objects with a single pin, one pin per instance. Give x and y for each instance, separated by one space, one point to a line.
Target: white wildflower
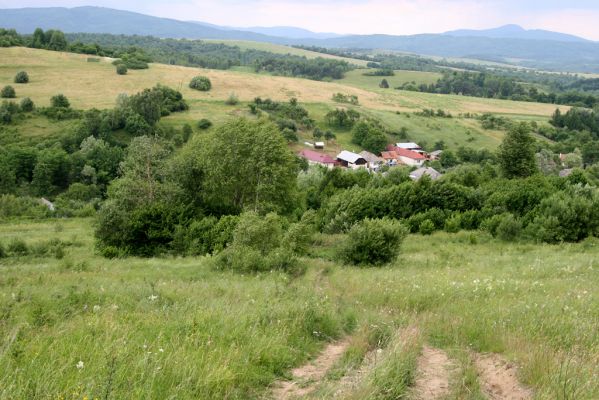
153 297
80 365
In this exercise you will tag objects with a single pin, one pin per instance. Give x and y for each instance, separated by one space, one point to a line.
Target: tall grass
174 328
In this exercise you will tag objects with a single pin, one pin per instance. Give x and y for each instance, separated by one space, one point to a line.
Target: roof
409 154
349 157
315 156
371 158
420 172
409 145
389 155
566 172
436 153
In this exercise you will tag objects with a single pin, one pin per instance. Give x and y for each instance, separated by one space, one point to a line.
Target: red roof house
314 157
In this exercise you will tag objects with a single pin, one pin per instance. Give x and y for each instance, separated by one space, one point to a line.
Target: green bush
232 100
60 101
509 228
121 69
204 124
3 253
22 77
27 105
453 224
18 247
427 227
8 92
373 242
201 83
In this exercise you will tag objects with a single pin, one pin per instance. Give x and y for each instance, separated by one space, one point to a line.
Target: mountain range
509 44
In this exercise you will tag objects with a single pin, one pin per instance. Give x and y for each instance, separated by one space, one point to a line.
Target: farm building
425 171
409 146
351 160
408 157
391 158
374 162
316 158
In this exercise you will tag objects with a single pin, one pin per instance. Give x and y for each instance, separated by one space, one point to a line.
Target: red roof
389 155
316 157
414 155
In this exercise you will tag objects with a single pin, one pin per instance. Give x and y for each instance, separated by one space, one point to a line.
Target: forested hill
555 54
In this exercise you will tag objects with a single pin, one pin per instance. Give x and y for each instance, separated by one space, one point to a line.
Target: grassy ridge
162 327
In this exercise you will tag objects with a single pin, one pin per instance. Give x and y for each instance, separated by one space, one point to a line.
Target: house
428 171
408 157
351 160
391 158
316 158
374 162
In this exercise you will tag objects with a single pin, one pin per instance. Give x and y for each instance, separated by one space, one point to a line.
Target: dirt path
434 370
498 378
305 378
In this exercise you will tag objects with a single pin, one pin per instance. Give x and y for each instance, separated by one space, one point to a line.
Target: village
407 154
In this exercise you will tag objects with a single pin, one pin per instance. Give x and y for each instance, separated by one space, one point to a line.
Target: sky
399 17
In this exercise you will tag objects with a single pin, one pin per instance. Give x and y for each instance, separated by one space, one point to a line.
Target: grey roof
408 146
566 172
436 153
371 158
420 172
349 157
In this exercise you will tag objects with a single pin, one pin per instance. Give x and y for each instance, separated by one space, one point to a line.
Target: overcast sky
580 17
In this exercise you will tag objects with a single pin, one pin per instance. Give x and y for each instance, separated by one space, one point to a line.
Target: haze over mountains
509 44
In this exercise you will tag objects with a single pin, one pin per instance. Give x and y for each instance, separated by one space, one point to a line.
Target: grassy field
76 326
358 79
97 85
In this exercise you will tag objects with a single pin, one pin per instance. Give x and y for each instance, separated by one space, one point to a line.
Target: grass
357 78
174 328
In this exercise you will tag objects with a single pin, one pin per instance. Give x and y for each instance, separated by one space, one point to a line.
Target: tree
121 69
27 105
517 153
57 41
8 92
384 84
38 39
246 165
60 101
329 135
22 77
201 83
148 104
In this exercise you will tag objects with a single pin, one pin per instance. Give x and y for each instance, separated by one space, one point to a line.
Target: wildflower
96 308
80 365
161 350
153 297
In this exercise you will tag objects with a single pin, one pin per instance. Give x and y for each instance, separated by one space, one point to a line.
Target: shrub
427 227
18 247
136 125
3 253
27 105
60 101
509 228
373 242
232 100
22 77
121 69
204 124
201 83
8 92
453 224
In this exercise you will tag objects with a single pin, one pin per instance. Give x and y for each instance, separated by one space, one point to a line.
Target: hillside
535 49
517 32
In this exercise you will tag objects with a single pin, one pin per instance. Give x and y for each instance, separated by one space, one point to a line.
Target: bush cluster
21 77
201 83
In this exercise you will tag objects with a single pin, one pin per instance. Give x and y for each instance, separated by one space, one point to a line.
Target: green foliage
427 227
204 124
517 153
509 228
370 136
384 84
373 242
232 100
8 92
201 83
21 77
60 101
346 98
341 118
121 69
27 105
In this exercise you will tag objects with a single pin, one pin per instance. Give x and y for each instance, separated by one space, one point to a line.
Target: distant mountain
290 32
106 20
509 44
517 32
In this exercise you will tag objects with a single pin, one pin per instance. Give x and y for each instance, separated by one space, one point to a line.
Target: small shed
351 160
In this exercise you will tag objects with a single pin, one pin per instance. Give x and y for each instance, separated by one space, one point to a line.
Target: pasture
77 326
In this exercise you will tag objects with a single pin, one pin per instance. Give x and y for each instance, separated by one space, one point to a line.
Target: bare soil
499 378
434 371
